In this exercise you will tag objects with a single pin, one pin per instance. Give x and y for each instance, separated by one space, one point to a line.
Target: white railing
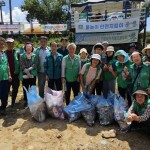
108 15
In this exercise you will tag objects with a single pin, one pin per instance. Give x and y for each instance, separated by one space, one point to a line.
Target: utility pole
10 11
2 3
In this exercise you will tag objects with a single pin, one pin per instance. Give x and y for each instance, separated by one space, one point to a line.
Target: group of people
97 73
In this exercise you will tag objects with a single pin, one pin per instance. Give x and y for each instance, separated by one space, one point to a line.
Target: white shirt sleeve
83 69
63 66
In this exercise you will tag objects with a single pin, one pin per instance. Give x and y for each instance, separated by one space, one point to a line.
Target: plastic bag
89 115
120 105
54 103
111 97
36 104
105 111
73 110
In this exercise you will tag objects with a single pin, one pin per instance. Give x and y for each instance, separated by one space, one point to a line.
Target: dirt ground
19 131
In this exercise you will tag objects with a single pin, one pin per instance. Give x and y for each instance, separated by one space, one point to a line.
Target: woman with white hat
109 80
146 52
90 73
83 56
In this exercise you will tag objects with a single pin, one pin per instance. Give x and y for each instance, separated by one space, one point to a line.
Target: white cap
96 56
10 40
110 49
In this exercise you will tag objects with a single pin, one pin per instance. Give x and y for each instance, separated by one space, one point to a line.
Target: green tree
46 11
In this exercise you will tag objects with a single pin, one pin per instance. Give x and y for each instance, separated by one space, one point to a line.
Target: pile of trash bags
39 107
107 110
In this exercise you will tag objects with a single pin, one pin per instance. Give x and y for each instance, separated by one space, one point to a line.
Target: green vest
32 72
123 83
107 75
143 81
87 70
140 109
3 67
72 70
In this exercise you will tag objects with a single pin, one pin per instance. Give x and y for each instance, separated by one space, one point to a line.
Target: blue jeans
4 90
41 83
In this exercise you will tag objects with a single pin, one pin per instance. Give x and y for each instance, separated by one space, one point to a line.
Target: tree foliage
46 11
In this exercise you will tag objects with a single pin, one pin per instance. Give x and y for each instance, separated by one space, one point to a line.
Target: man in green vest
13 61
71 67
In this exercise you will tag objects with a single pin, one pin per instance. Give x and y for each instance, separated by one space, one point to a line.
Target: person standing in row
138 72
13 60
4 77
63 49
28 69
71 67
90 72
122 61
52 67
98 49
41 53
109 80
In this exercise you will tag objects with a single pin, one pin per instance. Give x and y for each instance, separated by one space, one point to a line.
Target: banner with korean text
12 27
54 27
112 37
108 26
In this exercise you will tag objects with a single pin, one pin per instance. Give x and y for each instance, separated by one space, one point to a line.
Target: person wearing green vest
109 80
122 61
138 72
90 72
28 69
41 53
52 68
139 112
4 77
98 49
71 67
13 60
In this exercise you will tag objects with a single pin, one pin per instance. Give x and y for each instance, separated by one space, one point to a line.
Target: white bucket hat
110 49
147 47
83 50
96 56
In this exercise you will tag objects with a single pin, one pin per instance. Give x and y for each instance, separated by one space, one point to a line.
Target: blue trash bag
73 110
32 95
36 104
105 111
120 106
89 115
111 97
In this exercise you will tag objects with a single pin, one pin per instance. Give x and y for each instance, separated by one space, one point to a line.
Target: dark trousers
98 88
15 85
123 92
28 83
75 86
55 82
4 90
